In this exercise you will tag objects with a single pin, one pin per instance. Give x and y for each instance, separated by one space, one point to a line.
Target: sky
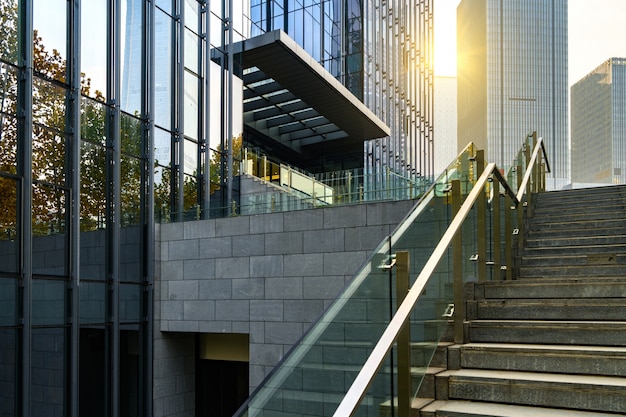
597 31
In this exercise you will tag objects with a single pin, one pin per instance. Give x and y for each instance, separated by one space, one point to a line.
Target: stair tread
553 348
596 380
503 410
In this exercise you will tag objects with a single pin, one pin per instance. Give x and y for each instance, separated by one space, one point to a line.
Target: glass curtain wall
76 219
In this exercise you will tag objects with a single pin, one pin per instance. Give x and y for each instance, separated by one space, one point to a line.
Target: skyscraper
599 125
512 78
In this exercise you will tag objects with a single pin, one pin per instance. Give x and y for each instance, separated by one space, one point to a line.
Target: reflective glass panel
48 301
8 31
49 104
48 156
162 147
8 225
92 123
50 252
8 144
192 13
92 302
131 135
162 192
93 187
93 46
50 38
130 302
192 86
48 389
132 57
8 89
130 192
192 44
8 361
163 66
8 305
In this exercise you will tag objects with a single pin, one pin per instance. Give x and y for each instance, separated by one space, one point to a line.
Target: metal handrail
359 387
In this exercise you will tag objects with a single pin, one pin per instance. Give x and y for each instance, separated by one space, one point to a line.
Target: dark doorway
92 388
221 387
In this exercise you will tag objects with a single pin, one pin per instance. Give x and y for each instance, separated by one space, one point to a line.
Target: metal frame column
113 204
73 116
25 154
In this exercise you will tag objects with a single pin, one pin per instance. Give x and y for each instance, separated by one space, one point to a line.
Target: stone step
580 392
590 259
589 225
576 360
555 241
582 271
589 333
579 207
573 250
563 215
584 193
586 309
614 229
458 408
557 287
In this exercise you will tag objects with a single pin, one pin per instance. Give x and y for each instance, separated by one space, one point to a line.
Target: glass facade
599 125
115 115
75 225
515 80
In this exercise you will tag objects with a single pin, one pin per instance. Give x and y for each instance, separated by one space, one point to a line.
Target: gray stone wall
269 276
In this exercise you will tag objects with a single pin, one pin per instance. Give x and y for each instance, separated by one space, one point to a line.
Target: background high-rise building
512 78
445 122
599 125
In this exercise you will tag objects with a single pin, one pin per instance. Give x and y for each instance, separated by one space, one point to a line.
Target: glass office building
512 77
599 125
115 115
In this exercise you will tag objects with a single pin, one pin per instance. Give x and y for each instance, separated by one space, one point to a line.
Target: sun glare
445 37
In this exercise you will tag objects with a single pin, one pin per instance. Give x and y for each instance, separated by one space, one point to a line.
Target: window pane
132 57
49 104
8 360
8 89
48 372
8 306
131 135
92 302
130 302
48 301
163 58
8 225
92 123
92 184
93 44
8 31
49 23
48 156
191 105
50 253
130 192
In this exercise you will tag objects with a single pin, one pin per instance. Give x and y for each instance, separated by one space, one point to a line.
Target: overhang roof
291 98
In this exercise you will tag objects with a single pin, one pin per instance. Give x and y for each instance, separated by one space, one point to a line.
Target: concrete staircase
553 341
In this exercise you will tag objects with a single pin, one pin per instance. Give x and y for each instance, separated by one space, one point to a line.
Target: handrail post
508 236
404 337
481 224
520 210
495 204
457 266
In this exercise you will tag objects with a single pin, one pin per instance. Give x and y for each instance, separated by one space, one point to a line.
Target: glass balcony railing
361 357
